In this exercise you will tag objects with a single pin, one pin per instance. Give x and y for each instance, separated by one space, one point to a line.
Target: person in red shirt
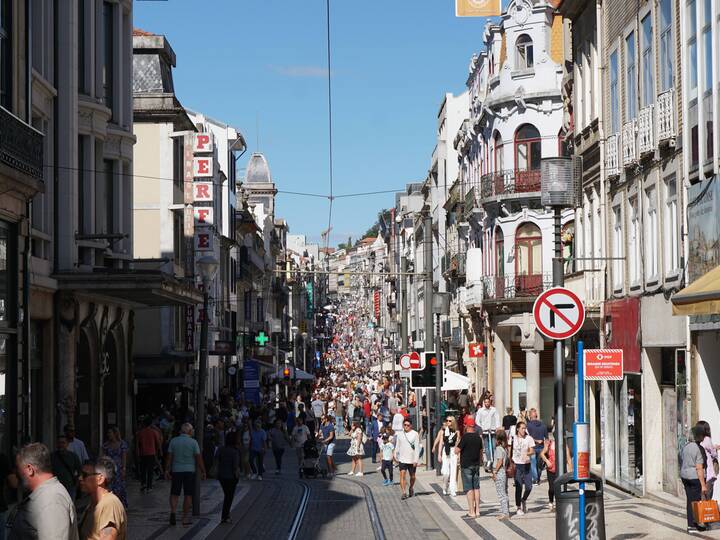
148 445
366 413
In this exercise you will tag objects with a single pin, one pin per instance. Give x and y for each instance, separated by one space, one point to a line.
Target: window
499 252
260 309
528 258
527 148
630 78
247 305
648 86
692 87
498 152
108 55
178 158
82 87
109 196
671 225
651 234
178 239
634 256
614 95
83 184
707 77
524 47
6 54
617 248
666 46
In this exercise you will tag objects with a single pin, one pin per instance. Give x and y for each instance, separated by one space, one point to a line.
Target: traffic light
286 374
426 377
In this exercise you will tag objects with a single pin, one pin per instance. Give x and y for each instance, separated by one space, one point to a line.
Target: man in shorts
470 449
407 454
182 459
328 439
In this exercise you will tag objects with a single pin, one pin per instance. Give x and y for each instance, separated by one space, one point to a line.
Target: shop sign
223 348
603 364
204 239
189 328
202 143
204 215
202 167
476 350
202 191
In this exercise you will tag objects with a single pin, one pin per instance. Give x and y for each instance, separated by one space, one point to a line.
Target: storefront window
625 464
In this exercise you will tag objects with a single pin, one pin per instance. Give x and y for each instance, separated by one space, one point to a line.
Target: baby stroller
310 466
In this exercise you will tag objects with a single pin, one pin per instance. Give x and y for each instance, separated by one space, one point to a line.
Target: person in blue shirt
387 448
258 444
328 439
183 456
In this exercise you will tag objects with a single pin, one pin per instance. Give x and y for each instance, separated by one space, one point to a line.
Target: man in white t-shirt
407 454
487 420
318 407
397 421
300 435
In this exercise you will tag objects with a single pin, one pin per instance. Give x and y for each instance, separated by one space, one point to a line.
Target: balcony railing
612 155
646 134
629 143
21 146
516 286
509 182
666 116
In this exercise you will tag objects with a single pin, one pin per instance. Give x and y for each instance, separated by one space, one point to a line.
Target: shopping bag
460 488
706 511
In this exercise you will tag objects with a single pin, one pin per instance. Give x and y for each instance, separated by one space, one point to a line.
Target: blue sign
251 381
317 359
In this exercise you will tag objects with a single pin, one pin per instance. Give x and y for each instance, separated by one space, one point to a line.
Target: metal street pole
438 385
559 281
200 397
277 370
428 338
403 321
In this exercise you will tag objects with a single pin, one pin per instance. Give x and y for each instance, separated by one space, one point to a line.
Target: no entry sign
603 364
558 313
410 361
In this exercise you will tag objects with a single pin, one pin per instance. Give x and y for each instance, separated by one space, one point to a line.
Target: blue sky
248 62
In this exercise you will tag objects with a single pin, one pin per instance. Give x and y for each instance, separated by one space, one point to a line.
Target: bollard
567 504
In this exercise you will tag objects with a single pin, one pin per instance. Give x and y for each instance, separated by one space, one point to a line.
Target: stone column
532 366
500 361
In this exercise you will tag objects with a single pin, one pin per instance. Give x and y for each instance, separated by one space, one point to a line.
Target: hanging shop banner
477 8
204 215
202 191
204 240
251 381
202 143
203 167
189 328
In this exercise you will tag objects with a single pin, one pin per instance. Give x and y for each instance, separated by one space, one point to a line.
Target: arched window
498 156
524 48
499 263
528 259
528 154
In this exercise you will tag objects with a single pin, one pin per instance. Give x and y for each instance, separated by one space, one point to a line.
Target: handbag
705 511
510 467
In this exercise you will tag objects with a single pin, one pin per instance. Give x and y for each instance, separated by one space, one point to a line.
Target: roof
368 240
140 32
258 171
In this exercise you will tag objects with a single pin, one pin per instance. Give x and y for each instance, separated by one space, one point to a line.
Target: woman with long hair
523 448
449 437
117 450
499 474
357 449
711 454
548 456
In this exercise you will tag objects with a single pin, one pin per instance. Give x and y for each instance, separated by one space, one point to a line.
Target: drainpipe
28 219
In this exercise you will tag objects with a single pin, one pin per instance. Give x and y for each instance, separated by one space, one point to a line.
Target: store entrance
625 467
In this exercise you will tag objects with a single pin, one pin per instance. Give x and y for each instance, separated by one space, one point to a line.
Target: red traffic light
433 361
286 372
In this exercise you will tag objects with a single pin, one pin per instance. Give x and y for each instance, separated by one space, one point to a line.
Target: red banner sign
603 364
476 350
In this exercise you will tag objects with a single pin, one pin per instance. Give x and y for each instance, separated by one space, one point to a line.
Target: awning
701 297
455 381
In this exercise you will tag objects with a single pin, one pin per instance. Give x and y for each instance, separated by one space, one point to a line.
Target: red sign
622 318
476 350
376 301
202 142
415 362
582 447
202 167
189 328
202 191
558 313
603 364
204 215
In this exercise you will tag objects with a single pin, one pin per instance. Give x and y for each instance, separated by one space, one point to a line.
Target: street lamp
304 336
207 267
560 188
440 307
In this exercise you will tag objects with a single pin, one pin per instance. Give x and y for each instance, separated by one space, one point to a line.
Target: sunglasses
84 474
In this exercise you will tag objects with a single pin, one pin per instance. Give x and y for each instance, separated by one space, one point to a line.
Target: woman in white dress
357 449
447 439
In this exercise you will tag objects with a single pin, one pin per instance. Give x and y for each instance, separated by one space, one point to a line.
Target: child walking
499 475
387 448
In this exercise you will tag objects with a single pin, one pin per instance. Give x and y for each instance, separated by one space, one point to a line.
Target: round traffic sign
558 313
415 360
405 361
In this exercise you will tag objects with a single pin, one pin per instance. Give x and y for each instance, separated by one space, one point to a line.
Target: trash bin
567 508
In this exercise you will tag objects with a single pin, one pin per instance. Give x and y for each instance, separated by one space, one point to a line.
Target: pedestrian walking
447 439
407 455
386 468
523 447
182 460
711 455
105 516
487 420
228 472
357 449
509 422
327 431
148 448
47 512
538 431
300 436
548 457
339 416
693 463
373 433
66 467
258 445
75 444
117 450
470 450
499 474
279 441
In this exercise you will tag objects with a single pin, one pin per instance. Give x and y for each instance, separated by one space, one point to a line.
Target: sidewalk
625 516
148 514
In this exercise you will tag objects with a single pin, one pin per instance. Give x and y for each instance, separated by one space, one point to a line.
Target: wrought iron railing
508 182
516 285
666 116
21 145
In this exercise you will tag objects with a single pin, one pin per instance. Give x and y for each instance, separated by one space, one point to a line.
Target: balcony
21 152
510 182
645 132
515 286
612 161
629 144
666 117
